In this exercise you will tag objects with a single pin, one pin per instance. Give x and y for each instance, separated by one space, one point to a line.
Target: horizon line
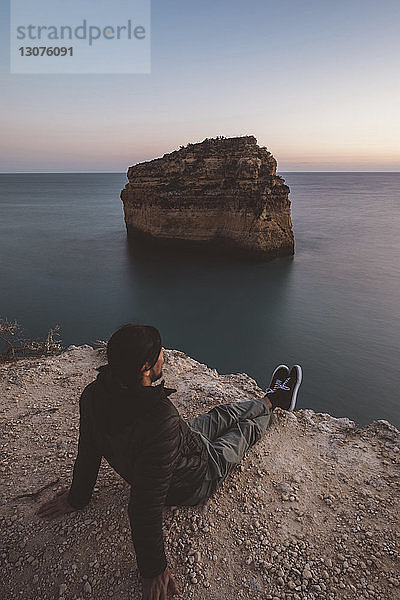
124 172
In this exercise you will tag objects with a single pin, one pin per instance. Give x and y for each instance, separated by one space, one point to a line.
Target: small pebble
87 588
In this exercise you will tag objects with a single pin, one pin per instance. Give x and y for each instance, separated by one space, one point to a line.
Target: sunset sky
317 82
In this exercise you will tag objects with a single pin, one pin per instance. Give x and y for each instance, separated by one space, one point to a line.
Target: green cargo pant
228 431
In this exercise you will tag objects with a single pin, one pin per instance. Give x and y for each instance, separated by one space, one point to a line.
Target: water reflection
221 310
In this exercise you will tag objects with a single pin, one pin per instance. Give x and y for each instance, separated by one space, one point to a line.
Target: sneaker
278 376
284 391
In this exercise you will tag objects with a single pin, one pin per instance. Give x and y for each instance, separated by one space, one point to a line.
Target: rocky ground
311 514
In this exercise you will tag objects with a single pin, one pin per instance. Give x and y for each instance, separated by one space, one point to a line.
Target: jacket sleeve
87 462
151 477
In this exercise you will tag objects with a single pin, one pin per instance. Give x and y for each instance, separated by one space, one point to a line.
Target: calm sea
334 308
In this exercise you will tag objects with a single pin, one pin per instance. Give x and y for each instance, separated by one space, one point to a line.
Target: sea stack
222 193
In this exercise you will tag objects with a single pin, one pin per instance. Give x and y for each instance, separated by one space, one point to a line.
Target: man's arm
87 462
152 472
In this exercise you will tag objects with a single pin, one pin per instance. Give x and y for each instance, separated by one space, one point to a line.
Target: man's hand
160 587
56 507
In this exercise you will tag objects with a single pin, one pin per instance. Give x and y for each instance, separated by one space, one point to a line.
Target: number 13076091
46 51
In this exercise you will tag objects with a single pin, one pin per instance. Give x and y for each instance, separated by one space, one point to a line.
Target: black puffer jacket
142 436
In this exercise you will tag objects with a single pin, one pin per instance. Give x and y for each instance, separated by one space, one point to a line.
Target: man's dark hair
129 348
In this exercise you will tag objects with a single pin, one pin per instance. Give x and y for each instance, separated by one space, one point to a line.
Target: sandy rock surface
312 513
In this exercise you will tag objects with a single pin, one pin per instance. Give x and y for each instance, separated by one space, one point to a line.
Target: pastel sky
315 81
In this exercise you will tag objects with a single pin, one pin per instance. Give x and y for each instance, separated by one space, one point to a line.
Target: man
167 461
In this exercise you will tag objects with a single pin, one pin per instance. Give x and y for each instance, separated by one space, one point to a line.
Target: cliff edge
220 193
311 514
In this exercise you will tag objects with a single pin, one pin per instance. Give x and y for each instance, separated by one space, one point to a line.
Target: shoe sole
276 370
296 387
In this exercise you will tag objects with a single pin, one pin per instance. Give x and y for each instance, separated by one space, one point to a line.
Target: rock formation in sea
220 193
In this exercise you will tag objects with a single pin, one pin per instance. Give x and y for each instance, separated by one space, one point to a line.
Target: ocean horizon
331 308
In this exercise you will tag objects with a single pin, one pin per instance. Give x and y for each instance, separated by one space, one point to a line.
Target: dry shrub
14 344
